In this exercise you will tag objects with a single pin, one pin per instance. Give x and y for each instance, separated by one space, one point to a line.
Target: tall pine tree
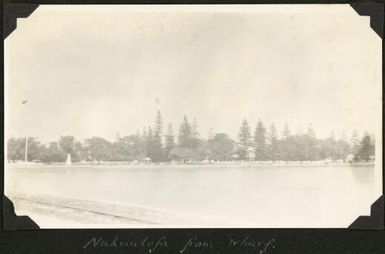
185 133
260 141
286 144
154 140
157 148
311 144
310 130
170 143
366 148
194 128
354 143
343 147
158 124
286 131
273 143
244 137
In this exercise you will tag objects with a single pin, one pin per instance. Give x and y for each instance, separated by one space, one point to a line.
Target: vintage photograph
193 116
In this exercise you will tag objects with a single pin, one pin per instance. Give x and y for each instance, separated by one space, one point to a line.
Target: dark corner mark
376 219
376 13
12 222
12 11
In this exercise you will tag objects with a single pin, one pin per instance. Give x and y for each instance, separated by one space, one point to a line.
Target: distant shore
212 164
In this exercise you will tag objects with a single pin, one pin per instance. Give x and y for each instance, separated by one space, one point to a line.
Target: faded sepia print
156 116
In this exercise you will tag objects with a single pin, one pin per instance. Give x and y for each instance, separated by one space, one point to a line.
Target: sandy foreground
57 212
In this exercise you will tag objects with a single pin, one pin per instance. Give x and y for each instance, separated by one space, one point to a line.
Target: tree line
158 145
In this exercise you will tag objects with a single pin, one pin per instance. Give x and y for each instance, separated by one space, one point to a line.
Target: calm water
238 195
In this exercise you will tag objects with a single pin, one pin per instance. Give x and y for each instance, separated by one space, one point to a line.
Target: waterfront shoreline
189 165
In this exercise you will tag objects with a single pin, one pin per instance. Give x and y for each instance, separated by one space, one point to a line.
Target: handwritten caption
151 245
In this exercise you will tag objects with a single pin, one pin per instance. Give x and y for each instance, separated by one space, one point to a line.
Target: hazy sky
106 69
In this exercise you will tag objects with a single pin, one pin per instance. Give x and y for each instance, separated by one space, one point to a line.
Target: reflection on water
242 195
362 175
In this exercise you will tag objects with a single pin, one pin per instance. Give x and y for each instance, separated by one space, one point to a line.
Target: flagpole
26 140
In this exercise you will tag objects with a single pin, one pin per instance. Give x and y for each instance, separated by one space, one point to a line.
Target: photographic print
193 116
